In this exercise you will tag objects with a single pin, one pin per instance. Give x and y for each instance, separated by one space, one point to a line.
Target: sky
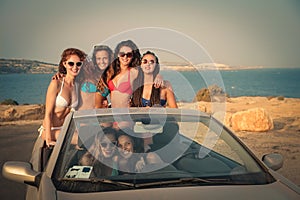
232 32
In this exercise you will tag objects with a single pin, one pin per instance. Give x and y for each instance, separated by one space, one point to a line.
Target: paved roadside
16 143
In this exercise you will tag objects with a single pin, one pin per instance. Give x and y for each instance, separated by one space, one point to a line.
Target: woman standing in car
91 72
121 76
62 95
147 95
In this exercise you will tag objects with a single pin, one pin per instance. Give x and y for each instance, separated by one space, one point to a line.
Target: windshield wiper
182 181
100 180
108 181
185 181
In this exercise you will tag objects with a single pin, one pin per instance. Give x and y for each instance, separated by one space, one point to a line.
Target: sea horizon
31 88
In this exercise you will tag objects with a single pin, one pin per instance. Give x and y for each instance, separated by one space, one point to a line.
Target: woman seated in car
101 153
131 157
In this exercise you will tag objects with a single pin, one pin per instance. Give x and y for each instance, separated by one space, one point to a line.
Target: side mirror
273 160
21 172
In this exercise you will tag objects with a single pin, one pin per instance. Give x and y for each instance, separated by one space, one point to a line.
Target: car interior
180 154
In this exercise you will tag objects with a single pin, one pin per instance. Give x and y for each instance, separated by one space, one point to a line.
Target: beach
283 138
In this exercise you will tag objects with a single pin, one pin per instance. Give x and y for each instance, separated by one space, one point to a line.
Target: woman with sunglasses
132 157
88 78
101 153
147 95
62 95
121 76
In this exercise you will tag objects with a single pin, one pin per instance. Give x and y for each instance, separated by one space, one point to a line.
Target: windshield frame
101 115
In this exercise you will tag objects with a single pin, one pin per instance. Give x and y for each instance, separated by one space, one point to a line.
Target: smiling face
102 59
125 56
107 145
125 145
73 65
148 64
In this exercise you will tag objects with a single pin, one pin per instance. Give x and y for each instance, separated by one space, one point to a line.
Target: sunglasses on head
106 144
123 54
145 61
78 64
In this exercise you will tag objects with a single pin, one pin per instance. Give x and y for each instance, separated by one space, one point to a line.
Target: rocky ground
283 138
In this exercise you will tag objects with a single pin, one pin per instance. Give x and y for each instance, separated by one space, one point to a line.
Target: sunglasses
110 144
123 54
144 61
71 64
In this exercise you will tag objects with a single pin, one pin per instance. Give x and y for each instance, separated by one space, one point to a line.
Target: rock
253 120
9 102
34 113
21 112
213 93
9 113
203 95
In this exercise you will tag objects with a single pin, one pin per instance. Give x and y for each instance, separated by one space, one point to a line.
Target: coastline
283 138
186 84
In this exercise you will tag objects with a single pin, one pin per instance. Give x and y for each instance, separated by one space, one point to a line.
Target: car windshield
105 150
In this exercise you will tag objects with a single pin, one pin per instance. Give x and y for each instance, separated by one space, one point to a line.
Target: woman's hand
57 76
50 143
140 165
158 81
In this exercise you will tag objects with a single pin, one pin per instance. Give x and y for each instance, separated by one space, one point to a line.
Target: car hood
273 191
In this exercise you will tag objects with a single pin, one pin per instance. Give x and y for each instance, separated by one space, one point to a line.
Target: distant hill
206 66
8 66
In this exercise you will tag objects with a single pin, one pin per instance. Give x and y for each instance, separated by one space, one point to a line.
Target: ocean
31 88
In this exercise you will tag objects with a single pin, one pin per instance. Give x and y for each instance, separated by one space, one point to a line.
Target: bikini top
105 93
88 87
124 87
147 102
62 102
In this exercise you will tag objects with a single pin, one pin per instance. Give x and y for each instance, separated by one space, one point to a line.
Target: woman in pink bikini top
121 75
123 87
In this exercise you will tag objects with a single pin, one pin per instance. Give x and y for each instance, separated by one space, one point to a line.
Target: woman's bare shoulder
134 72
55 83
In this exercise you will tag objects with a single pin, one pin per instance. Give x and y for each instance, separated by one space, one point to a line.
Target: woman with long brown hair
92 70
120 76
147 95
62 95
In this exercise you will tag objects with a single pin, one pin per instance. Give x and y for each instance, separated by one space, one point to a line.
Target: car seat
167 144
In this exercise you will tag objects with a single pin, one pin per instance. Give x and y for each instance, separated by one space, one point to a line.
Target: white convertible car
199 158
